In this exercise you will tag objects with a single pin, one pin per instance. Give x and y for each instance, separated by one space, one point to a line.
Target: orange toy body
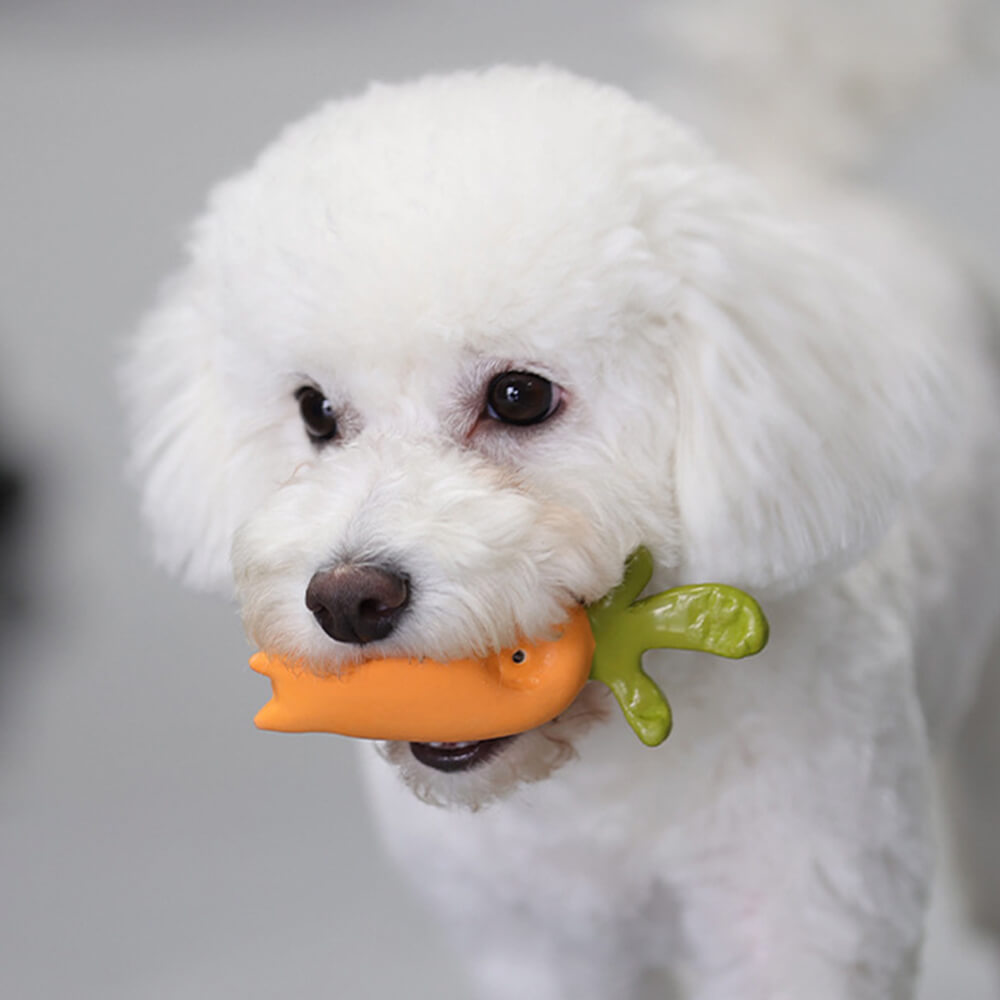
425 700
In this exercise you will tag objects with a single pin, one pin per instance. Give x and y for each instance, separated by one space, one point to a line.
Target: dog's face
449 352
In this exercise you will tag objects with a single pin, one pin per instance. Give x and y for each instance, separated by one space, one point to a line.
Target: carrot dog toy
423 700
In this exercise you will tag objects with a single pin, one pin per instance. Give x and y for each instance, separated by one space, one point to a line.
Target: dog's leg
811 880
497 978
974 793
537 967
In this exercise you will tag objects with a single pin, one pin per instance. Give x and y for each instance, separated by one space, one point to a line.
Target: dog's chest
555 847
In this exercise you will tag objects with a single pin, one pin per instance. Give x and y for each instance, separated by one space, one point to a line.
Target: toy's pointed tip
653 732
260 663
267 717
763 633
753 641
653 738
653 725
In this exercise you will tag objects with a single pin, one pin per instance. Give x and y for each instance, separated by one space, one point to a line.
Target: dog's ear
809 403
181 450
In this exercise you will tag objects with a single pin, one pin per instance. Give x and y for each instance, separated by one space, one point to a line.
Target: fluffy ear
180 441
808 405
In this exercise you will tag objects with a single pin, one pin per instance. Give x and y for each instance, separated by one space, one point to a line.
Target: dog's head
450 351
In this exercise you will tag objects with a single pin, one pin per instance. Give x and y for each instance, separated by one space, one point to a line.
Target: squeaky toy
517 689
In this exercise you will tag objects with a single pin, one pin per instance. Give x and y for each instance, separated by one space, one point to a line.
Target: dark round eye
521 398
317 414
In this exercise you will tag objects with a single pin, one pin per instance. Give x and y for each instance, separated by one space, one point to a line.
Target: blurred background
152 843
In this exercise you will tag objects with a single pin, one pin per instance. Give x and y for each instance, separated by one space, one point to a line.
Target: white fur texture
796 397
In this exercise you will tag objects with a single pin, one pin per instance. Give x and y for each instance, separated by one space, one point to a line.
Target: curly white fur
799 397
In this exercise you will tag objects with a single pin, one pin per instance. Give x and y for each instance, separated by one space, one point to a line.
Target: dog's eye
521 398
317 414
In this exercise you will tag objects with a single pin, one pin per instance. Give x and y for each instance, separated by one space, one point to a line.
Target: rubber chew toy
424 700
517 689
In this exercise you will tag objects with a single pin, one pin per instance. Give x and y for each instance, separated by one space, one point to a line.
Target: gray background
152 844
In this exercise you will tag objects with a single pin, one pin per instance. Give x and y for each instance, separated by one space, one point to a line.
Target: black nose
357 604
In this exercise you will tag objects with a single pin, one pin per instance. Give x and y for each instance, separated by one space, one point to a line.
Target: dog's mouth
454 757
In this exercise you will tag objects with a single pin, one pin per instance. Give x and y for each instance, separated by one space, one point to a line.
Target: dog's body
801 400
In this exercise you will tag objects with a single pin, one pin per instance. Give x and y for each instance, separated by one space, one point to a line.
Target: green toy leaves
707 617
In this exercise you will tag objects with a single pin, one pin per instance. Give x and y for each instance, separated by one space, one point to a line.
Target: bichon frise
445 356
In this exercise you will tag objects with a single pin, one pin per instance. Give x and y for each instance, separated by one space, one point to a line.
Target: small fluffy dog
445 356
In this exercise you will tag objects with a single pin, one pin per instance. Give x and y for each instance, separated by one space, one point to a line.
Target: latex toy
517 689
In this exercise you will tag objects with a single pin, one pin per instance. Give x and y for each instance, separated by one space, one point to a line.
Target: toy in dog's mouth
461 713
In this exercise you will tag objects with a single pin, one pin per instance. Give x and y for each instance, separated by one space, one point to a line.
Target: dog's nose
357 603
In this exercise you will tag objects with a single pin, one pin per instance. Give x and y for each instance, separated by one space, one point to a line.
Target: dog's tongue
451 708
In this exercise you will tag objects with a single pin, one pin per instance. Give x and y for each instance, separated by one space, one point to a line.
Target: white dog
444 357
